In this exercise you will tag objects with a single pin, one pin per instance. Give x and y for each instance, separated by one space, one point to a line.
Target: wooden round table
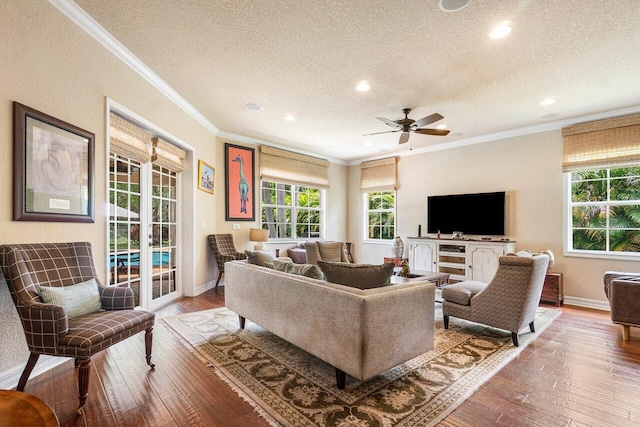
21 409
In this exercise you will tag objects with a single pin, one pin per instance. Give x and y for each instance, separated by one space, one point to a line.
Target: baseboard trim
9 378
206 286
587 303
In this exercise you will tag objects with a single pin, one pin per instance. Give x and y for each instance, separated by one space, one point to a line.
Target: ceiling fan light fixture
442 126
453 5
363 86
501 30
289 117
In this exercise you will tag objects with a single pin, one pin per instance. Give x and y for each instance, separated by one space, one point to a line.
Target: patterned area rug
288 386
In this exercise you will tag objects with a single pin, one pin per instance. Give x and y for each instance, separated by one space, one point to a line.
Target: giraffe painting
240 180
243 186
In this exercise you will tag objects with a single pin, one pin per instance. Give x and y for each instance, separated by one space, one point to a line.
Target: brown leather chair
47 328
623 291
224 250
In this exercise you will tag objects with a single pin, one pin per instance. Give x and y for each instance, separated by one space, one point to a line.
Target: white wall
528 168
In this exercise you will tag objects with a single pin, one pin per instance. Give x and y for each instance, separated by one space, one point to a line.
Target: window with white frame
380 214
604 211
291 211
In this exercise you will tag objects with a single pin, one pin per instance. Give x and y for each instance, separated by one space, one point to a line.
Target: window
604 209
380 213
291 211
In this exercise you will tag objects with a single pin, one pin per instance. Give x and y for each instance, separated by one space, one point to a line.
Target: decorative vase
397 247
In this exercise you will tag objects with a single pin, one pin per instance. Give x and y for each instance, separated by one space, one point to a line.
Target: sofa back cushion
361 276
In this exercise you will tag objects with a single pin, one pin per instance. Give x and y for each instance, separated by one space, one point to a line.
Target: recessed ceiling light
501 30
289 118
548 101
453 5
368 143
442 126
254 107
363 86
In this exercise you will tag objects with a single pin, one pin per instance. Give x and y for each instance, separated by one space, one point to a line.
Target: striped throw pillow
81 298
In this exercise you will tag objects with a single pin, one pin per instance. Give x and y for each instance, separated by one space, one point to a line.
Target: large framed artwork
239 183
206 176
52 168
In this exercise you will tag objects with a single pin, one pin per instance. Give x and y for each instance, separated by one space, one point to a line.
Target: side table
22 409
552 291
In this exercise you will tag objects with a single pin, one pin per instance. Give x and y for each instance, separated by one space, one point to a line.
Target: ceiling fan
407 125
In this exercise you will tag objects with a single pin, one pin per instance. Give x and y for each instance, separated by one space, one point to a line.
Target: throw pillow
361 276
259 257
307 270
81 298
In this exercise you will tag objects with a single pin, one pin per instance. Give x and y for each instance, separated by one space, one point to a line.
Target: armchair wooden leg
215 288
445 319
31 363
83 380
341 379
148 343
532 327
514 338
626 331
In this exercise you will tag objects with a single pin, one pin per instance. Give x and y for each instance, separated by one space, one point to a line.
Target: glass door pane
164 225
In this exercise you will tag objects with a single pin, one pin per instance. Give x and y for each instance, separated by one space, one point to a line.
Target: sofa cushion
361 276
81 298
462 292
259 257
307 270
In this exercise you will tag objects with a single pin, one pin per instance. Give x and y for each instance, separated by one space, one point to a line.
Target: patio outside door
143 230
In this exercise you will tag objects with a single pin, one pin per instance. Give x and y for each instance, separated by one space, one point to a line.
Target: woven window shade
129 140
602 144
293 168
167 155
378 175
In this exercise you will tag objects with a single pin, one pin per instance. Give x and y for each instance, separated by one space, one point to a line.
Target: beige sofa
359 332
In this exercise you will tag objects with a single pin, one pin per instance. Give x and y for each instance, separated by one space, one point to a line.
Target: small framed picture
206 176
52 168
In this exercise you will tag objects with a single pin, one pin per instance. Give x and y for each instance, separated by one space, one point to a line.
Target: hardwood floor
579 372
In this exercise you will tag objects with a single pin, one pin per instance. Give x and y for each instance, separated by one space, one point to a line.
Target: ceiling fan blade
428 120
438 132
388 122
404 137
387 131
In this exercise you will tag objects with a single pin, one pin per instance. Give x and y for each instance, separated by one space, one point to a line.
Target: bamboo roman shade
378 175
293 168
602 144
167 155
129 140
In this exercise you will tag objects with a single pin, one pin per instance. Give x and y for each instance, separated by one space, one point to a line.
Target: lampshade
258 235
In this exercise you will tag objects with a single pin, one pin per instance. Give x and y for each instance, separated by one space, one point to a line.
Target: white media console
464 259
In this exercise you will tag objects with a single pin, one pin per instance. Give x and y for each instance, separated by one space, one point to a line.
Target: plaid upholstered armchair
508 302
224 251
68 326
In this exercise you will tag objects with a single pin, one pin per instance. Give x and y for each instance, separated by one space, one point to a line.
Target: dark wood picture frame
52 168
239 189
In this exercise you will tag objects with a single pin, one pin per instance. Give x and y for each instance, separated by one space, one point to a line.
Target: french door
143 230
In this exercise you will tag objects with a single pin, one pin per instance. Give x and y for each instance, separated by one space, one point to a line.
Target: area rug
288 386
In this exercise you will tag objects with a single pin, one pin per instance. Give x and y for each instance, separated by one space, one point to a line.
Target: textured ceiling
305 57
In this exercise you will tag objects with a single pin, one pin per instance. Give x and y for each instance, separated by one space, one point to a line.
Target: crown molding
559 124
94 29
256 141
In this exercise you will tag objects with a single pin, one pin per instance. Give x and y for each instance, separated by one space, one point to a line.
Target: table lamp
258 235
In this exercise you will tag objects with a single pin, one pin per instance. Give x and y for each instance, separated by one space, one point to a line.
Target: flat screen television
479 214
